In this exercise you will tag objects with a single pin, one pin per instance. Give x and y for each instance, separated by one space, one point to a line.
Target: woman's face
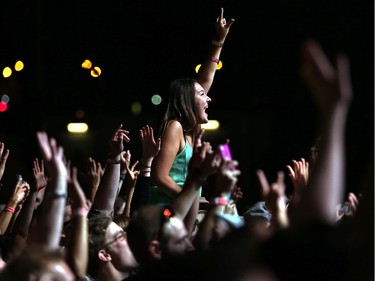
201 103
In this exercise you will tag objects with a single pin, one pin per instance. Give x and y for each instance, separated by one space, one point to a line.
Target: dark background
263 106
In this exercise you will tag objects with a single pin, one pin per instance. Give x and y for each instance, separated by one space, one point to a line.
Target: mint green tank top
178 173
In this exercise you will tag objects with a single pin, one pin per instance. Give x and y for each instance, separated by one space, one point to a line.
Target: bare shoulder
173 134
174 128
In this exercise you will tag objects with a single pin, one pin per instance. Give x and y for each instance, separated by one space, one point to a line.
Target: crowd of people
119 222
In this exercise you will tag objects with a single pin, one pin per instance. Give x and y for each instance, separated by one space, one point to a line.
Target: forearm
6 215
184 200
23 221
107 190
326 188
207 71
205 231
49 227
77 251
5 218
168 186
141 194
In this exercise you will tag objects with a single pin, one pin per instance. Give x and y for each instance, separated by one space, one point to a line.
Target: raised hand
4 153
237 194
299 175
53 155
204 159
94 172
328 85
116 142
76 193
38 172
349 207
222 26
274 196
125 161
129 169
20 193
226 177
150 146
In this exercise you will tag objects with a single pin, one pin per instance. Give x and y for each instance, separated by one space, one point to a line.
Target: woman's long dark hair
181 106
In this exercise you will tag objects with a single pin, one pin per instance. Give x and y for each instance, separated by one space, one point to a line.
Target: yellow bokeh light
219 65
136 108
86 64
197 68
211 125
77 128
95 71
7 72
18 66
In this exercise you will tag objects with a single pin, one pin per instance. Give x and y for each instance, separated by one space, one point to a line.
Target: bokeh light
77 128
197 68
95 71
3 106
136 108
219 65
5 98
211 125
7 72
156 99
18 66
86 64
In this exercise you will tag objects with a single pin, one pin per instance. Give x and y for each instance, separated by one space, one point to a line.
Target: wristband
112 161
122 176
219 200
9 209
56 195
217 43
215 60
146 170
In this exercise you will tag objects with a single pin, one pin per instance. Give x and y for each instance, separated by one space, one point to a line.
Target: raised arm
4 153
108 187
22 224
225 182
93 175
150 149
207 71
46 232
77 248
331 89
201 165
274 196
20 192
